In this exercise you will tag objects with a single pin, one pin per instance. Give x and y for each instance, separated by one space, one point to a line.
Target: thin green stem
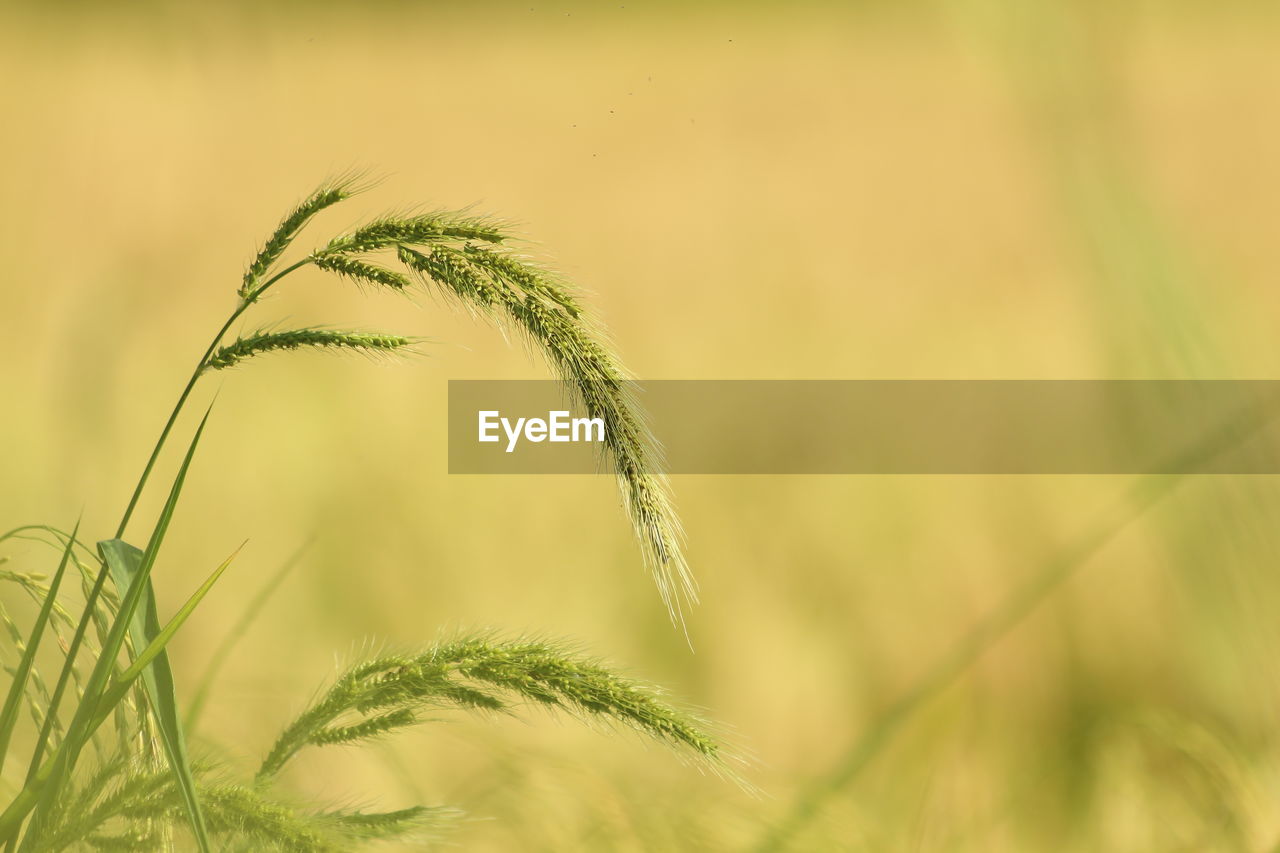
85 721
191 384
173 418
237 631
18 808
12 817
63 677
1144 493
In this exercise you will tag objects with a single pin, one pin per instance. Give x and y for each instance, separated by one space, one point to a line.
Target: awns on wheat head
130 801
469 259
369 343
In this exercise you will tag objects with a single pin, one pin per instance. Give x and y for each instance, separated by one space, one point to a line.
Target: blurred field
963 189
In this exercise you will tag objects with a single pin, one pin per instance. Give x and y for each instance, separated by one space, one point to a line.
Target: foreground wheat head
128 802
133 785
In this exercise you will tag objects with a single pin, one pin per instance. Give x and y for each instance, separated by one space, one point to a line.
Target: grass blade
64 678
42 790
237 631
153 655
13 702
1142 495
152 663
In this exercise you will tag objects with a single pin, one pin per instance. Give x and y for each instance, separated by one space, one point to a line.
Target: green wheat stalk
131 800
468 257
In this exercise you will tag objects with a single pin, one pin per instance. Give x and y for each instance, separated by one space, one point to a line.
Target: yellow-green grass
762 194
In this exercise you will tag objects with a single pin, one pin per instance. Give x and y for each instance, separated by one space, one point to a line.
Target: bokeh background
958 189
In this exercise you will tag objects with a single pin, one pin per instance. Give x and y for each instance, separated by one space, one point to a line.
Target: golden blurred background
950 189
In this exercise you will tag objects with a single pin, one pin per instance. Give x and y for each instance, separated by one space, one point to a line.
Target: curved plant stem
95 591
963 655
63 677
191 384
1142 495
237 631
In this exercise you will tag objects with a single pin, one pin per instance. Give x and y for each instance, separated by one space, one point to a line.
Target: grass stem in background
1142 495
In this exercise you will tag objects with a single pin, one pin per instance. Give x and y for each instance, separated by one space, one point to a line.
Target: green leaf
153 657
13 702
42 790
125 562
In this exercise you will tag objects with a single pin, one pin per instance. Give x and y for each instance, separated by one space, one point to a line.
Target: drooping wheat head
470 258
